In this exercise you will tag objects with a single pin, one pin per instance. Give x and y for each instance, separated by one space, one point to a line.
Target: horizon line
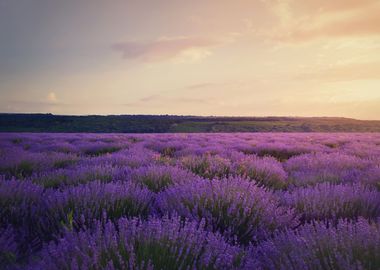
190 115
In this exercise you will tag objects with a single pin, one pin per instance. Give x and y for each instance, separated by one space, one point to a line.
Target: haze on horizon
246 58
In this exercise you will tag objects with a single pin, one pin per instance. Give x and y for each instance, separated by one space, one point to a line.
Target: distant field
190 201
175 124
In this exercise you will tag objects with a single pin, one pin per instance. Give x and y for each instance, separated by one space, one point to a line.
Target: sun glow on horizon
246 58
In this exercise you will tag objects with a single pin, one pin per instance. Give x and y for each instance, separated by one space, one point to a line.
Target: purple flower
208 166
134 244
267 171
190 201
77 207
349 245
158 177
21 207
20 163
8 247
234 207
80 174
311 169
327 201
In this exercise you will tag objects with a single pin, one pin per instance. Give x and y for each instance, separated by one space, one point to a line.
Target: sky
199 57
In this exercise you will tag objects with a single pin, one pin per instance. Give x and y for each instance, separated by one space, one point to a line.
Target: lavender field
190 201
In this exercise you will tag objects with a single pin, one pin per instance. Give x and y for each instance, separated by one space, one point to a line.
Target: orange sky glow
240 58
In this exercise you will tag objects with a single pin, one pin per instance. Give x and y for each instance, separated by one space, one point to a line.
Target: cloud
346 72
181 48
359 109
160 100
149 98
200 86
325 6
302 21
52 98
47 103
353 26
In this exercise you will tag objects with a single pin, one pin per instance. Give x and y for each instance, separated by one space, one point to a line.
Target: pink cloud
323 6
357 26
348 72
325 19
164 48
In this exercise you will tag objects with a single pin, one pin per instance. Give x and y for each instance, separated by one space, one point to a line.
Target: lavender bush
190 201
234 207
157 178
208 166
77 207
8 247
327 201
347 246
78 175
266 171
135 244
311 169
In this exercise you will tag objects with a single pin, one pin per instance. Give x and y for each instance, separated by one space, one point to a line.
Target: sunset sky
199 57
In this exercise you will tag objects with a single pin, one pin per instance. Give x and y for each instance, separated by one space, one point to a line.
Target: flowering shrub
157 178
208 166
77 207
21 208
266 171
234 207
8 247
280 151
189 201
327 201
21 164
347 246
311 169
134 244
80 174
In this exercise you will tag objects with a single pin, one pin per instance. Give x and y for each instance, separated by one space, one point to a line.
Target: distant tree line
175 123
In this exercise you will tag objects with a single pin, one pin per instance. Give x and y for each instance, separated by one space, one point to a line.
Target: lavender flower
234 207
311 169
20 163
134 244
21 207
266 171
347 246
327 201
208 166
80 174
18 201
8 247
103 199
157 178
77 207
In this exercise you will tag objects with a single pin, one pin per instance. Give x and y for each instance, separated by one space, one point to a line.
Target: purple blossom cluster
336 167
8 246
266 171
166 243
79 206
234 207
326 201
190 201
159 177
349 245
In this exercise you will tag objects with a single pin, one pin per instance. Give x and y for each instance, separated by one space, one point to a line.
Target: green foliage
167 123
16 140
60 164
156 183
21 170
102 151
208 166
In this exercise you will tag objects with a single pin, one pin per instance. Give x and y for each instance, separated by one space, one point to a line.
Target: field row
190 201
